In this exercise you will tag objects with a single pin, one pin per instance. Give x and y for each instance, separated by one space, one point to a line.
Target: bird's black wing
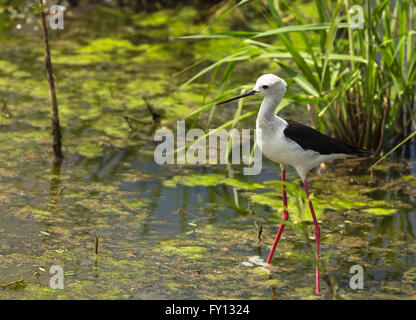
311 139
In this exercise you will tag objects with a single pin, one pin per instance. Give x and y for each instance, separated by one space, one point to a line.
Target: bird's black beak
245 94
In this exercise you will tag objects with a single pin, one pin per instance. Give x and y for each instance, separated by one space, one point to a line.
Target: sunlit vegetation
194 232
358 84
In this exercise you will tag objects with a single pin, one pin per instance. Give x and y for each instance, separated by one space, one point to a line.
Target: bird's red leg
285 217
317 234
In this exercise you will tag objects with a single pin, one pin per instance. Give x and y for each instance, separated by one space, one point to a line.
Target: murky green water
174 232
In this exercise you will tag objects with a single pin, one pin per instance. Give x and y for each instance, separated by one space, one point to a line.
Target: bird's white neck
268 108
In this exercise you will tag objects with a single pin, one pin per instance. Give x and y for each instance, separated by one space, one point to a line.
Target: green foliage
159 239
359 82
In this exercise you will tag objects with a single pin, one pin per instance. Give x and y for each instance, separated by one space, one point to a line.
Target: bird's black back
311 139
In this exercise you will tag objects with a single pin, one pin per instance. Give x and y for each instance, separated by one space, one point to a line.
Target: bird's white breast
274 144
278 148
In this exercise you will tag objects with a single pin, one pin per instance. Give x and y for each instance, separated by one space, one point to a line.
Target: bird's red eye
265 87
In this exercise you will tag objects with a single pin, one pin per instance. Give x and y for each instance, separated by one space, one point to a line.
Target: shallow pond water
171 232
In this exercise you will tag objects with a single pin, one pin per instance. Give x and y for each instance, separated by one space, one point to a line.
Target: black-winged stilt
290 143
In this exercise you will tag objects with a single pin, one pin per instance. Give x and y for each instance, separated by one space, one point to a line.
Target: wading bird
290 143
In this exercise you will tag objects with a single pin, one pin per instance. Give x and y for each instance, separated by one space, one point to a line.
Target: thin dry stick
96 245
58 194
260 232
56 129
128 123
12 283
5 108
155 116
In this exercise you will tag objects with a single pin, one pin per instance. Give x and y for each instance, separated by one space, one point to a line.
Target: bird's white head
270 84
267 85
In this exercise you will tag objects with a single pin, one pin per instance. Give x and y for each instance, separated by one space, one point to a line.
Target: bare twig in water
128 123
58 194
155 116
56 129
197 271
260 232
12 283
96 244
5 108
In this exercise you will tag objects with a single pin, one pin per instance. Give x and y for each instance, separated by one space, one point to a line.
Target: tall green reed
359 84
